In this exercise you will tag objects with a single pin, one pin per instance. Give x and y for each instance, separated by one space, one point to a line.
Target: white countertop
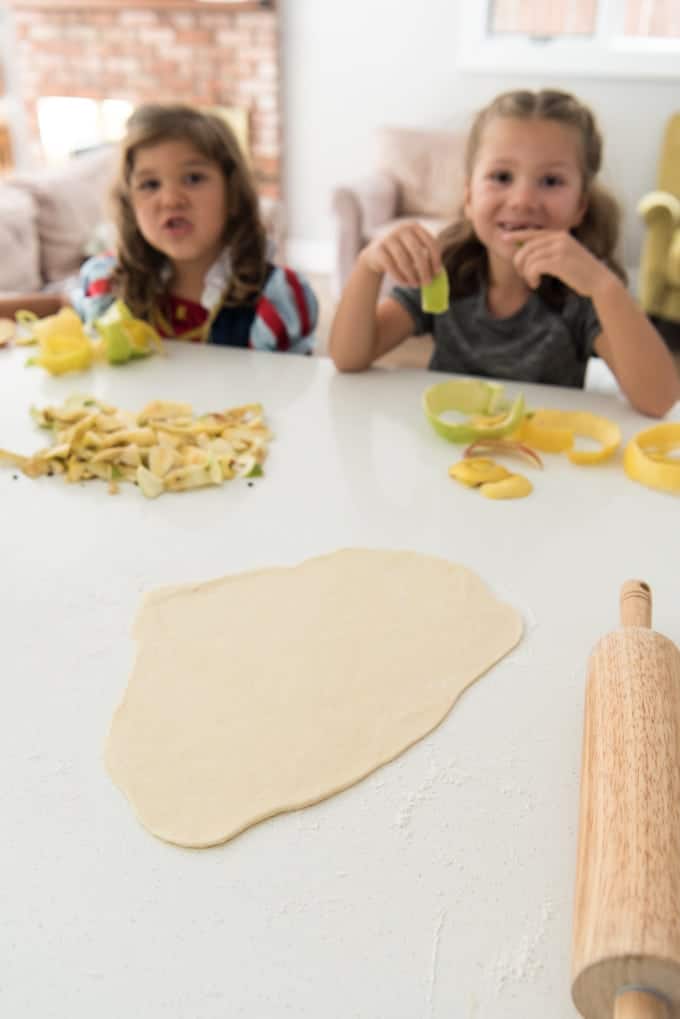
441 886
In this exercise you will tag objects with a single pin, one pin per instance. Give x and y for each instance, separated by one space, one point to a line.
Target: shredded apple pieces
163 448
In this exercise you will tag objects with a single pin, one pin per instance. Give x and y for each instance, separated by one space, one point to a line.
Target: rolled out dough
271 690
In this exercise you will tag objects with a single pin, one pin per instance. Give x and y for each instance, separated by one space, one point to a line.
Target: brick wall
228 58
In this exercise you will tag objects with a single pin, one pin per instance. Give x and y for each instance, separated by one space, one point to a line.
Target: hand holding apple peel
434 296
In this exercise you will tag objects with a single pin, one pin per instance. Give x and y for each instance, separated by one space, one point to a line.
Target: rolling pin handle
640 1004
635 604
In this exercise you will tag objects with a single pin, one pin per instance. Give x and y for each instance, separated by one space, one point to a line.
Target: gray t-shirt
536 344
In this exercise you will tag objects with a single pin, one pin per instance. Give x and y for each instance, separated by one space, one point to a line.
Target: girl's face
179 198
526 175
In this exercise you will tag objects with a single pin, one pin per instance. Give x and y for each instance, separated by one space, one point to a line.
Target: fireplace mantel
172 5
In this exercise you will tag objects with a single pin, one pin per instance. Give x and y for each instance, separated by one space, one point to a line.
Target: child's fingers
421 252
531 265
409 253
429 250
405 252
396 269
397 260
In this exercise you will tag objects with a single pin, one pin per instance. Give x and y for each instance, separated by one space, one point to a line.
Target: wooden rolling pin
626 945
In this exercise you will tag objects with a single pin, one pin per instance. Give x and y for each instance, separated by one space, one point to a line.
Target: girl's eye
551 180
196 177
147 185
501 176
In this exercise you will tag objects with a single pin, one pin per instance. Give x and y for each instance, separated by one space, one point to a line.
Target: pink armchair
418 174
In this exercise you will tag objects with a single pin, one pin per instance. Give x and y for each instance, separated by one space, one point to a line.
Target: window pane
536 17
660 18
70 123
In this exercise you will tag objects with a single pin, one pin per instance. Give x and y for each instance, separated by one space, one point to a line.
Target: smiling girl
535 287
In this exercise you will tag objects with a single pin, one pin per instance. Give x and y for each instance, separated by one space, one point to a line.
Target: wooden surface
636 604
638 1005
442 886
627 902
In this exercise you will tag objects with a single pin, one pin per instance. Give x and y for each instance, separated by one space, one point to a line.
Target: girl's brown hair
138 277
463 254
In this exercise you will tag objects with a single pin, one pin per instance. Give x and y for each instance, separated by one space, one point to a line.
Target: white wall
352 65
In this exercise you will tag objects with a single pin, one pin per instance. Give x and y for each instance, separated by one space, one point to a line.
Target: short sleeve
93 292
409 298
286 314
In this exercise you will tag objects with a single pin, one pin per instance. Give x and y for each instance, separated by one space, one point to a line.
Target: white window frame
608 53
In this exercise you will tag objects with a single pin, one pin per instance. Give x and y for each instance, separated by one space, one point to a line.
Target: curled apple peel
554 431
646 458
491 416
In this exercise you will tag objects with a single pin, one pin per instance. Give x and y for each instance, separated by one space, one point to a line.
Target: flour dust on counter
267 691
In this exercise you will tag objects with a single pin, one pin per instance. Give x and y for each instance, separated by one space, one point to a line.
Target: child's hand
409 253
558 253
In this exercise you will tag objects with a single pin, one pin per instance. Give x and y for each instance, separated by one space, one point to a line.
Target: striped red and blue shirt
283 318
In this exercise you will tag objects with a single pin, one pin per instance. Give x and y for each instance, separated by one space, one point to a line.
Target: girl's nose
524 194
171 194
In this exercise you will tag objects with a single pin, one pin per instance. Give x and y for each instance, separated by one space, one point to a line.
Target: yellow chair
660 265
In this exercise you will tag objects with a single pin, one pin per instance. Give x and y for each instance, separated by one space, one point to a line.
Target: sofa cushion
71 201
428 166
19 248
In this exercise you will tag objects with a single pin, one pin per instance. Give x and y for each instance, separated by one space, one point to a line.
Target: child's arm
629 343
364 330
634 351
40 304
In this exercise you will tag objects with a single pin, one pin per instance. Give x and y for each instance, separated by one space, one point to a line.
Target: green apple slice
434 296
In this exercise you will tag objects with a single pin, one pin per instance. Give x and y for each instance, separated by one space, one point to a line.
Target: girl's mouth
177 226
513 227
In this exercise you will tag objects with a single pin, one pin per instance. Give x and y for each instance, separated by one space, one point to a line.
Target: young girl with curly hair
535 285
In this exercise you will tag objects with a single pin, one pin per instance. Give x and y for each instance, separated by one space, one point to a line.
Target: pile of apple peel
66 347
163 448
495 427
652 458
